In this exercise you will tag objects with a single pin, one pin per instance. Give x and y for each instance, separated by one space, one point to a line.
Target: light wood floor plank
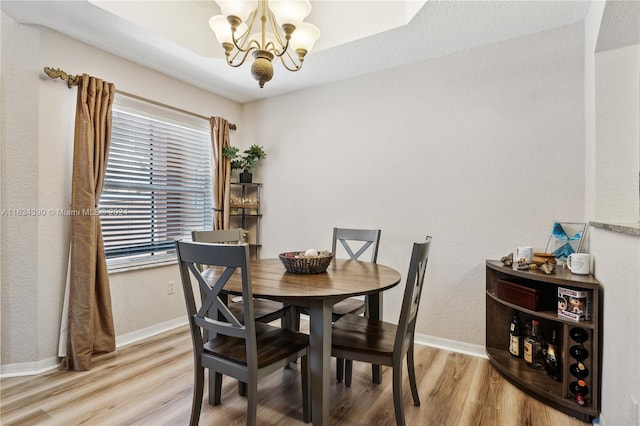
150 383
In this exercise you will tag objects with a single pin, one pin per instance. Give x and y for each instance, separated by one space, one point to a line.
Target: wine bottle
515 337
533 348
579 352
578 334
551 359
580 390
579 370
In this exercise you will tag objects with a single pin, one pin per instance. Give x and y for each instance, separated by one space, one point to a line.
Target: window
157 186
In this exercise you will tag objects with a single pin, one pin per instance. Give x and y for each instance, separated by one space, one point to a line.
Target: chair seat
351 305
263 310
273 343
358 334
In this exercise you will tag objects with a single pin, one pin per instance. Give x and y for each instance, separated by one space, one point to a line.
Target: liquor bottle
579 370
551 359
579 352
533 348
515 337
578 334
580 390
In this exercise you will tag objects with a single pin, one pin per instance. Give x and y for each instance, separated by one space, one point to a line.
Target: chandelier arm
276 33
297 66
244 58
240 43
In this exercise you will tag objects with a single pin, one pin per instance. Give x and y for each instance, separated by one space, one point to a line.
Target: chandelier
266 28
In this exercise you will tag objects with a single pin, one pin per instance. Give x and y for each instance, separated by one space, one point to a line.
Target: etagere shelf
249 215
537 383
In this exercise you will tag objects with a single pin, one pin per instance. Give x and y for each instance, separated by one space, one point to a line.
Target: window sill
134 266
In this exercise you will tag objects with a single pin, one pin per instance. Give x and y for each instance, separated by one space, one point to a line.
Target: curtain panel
90 320
221 172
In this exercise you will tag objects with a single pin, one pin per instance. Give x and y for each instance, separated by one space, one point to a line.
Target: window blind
157 186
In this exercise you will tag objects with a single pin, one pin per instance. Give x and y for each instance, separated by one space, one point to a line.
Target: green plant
245 161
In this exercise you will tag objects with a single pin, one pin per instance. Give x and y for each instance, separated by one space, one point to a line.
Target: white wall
617 268
612 146
617 134
37 151
483 150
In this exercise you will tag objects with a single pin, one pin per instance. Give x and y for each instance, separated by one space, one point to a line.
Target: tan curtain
90 326
221 172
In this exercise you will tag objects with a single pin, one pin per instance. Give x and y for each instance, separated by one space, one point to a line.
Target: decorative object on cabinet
245 212
245 161
575 342
565 238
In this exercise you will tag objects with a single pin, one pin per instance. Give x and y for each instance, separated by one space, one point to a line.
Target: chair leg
242 388
198 389
295 318
252 403
305 372
412 376
397 392
348 371
215 387
339 369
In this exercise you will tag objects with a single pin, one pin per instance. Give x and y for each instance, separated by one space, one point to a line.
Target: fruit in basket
311 253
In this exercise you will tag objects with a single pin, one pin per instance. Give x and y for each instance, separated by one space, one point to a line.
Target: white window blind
158 181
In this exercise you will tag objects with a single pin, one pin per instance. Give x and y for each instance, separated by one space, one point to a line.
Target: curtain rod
73 80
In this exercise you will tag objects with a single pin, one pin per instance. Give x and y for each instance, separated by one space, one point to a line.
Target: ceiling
358 37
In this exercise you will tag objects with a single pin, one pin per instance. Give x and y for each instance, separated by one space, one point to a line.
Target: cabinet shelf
548 315
537 383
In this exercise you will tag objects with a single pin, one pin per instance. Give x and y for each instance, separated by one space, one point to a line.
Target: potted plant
245 161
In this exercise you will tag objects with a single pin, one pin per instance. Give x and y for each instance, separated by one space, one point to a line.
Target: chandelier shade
267 29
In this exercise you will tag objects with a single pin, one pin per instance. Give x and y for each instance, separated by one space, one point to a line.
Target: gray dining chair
378 342
354 243
246 350
265 310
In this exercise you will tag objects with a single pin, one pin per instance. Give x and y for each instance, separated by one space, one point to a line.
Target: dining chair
355 242
378 342
265 310
246 350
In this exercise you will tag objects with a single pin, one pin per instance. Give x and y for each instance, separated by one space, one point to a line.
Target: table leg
320 346
375 312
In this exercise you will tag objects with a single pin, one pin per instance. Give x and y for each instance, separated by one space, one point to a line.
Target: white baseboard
38 367
29 368
451 345
136 336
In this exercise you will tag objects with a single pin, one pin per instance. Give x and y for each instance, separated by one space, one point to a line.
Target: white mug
525 253
578 263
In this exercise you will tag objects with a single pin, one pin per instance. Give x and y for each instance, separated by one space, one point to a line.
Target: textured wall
37 146
20 158
482 150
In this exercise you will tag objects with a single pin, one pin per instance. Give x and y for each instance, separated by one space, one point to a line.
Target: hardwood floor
150 383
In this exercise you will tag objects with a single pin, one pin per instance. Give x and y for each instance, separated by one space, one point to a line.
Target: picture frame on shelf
566 238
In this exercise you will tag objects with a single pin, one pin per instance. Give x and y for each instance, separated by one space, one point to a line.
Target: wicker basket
305 265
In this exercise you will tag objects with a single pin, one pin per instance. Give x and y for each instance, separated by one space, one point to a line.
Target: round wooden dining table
319 292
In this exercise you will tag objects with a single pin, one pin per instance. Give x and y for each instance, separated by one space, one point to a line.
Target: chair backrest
218 236
349 238
412 293
213 316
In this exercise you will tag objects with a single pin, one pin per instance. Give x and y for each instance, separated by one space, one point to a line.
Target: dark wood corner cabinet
246 212
499 313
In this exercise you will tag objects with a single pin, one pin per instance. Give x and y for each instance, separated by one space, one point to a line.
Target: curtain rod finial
72 80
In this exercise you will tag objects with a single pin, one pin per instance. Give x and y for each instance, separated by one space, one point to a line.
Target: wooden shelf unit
536 382
248 218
